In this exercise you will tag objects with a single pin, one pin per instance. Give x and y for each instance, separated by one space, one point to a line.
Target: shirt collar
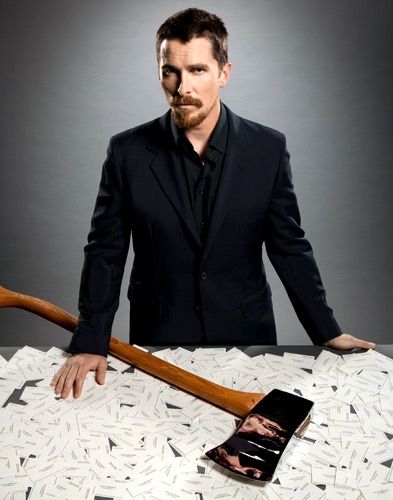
218 139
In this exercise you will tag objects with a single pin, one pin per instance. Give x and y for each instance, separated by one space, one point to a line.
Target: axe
270 419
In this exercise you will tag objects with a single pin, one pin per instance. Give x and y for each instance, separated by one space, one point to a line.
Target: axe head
260 440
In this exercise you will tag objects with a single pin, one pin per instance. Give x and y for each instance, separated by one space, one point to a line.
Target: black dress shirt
202 178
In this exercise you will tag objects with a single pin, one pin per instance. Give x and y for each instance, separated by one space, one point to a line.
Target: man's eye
198 70
167 72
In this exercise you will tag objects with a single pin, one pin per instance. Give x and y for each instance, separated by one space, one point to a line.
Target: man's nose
184 85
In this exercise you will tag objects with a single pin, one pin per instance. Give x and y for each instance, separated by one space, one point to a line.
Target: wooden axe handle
237 402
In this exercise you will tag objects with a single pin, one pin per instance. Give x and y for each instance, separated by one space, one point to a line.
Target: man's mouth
187 103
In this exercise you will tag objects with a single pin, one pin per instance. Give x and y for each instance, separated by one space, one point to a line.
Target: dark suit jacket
176 282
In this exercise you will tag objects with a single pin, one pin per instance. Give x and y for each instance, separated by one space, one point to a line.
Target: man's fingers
79 381
68 381
345 341
101 371
72 375
57 375
350 342
364 344
61 376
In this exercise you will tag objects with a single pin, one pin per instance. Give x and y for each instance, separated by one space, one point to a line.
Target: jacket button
203 276
198 308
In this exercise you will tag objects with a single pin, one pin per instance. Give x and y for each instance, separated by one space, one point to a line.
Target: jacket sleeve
292 257
105 257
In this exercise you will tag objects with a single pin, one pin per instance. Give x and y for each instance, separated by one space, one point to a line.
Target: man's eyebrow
189 67
198 66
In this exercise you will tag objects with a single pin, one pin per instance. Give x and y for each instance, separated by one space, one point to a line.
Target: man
200 190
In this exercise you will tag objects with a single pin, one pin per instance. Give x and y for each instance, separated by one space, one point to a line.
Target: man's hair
194 23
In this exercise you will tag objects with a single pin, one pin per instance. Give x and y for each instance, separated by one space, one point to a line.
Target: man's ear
224 75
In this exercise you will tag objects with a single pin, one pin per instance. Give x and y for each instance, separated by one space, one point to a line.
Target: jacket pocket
256 302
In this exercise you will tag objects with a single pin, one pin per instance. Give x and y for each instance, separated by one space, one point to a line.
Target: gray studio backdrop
73 73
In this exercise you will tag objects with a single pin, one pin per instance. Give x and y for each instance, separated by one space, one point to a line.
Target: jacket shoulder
141 134
253 132
257 130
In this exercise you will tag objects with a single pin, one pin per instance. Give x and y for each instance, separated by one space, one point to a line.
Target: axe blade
261 438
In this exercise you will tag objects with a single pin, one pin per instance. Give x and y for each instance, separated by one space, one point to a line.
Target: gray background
73 73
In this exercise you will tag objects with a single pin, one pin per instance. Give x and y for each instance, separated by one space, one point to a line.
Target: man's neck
199 136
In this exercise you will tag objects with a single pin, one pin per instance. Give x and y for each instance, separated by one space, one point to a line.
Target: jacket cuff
89 337
322 325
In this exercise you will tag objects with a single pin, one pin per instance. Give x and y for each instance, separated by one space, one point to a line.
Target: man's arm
292 257
105 257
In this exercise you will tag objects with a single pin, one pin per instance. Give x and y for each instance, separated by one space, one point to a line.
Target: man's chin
187 118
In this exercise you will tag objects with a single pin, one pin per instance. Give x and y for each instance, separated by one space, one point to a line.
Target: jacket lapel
230 177
171 178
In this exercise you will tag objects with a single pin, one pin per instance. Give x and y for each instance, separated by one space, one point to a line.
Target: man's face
191 79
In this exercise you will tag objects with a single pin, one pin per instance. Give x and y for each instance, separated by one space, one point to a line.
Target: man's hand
73 373
346 341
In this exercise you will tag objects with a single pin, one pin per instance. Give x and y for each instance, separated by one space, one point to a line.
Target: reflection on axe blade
270 420
260 440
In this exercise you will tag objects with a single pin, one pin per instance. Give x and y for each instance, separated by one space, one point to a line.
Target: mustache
178 100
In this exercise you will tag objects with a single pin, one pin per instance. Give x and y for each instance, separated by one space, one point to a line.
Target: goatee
187 118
